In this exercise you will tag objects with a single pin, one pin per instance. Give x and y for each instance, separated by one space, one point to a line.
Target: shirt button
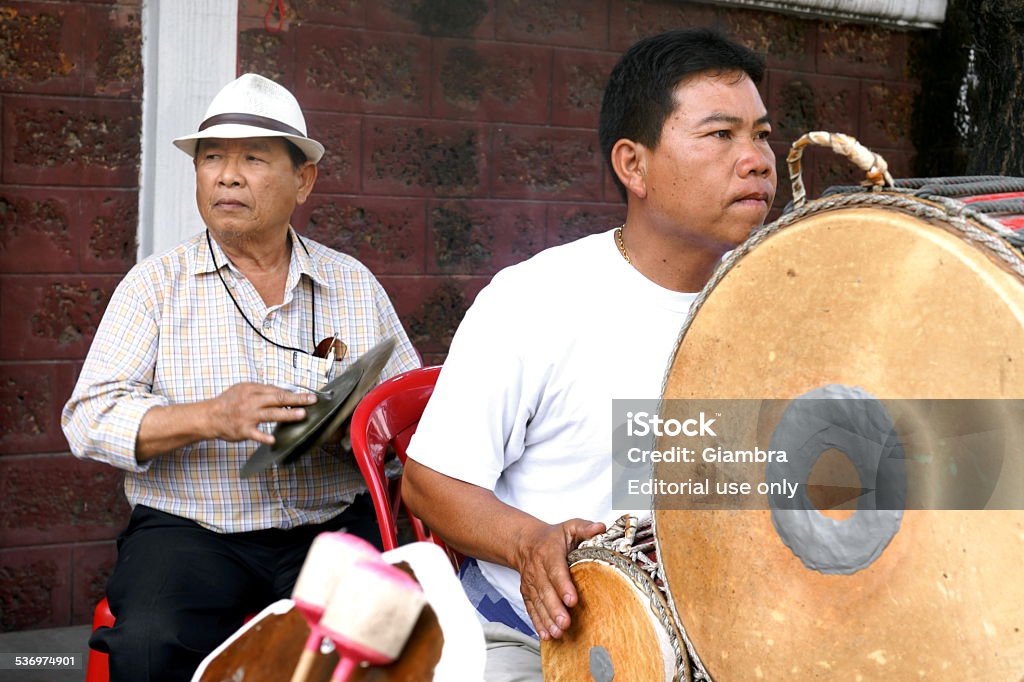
266 324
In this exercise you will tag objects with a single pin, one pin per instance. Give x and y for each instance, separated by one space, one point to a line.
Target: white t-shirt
523 404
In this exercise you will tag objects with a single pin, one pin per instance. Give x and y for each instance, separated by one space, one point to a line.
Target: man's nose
757 158
229 173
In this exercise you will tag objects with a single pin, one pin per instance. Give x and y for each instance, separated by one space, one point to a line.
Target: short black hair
639 96
297 156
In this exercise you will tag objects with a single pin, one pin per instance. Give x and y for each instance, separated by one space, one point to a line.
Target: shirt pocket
300 371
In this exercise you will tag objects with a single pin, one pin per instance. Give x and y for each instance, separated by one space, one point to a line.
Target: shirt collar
301 263
203 262
304 263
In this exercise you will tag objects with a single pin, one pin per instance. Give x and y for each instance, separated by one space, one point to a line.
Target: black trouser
179 590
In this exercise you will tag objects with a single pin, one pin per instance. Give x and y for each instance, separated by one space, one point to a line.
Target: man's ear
307 178
629 159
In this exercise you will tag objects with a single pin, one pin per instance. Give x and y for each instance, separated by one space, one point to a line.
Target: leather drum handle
871 163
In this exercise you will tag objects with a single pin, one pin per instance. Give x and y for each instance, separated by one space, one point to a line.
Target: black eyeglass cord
312 298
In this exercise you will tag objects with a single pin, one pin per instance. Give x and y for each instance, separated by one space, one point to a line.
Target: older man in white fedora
190 368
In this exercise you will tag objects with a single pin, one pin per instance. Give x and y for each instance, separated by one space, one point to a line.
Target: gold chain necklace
622 247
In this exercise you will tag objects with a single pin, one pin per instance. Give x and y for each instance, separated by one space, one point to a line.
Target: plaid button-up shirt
171 335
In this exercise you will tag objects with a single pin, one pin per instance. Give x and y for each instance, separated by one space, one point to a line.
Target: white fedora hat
254 106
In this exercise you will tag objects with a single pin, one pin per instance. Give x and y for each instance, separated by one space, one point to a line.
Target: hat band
251 120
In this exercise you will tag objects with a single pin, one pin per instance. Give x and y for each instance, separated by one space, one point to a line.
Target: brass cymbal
338 399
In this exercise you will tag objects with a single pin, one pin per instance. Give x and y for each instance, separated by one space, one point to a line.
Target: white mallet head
329 561
370 616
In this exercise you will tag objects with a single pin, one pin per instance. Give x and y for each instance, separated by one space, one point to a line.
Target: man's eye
722 134
763 135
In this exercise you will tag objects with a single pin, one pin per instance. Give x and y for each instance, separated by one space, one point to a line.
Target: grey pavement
54 641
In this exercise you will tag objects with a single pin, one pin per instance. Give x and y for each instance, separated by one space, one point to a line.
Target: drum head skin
614 634
881 300
338 399
267 649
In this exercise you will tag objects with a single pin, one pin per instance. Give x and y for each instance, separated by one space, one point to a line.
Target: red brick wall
461 138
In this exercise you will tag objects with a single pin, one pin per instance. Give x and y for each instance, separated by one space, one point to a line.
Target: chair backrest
388 415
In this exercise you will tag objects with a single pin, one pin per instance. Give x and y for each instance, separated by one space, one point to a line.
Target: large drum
623 628
910 291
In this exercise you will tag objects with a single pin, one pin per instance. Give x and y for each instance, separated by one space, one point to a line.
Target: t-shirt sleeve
474 425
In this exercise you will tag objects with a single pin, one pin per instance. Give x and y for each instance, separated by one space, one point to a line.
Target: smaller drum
622 626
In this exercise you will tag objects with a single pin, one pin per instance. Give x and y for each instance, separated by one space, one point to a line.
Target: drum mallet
330 559
370 619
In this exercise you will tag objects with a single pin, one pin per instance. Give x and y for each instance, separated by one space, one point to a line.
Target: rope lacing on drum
697 669
633 538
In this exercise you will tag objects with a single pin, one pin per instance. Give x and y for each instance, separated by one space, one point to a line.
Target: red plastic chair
388 416
98 667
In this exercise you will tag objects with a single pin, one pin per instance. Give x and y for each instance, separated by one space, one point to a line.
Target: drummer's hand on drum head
541 559
237 413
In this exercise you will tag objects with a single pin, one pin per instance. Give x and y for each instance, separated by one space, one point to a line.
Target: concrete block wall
70 105
461 139
461 135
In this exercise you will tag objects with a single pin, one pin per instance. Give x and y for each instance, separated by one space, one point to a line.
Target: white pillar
189 52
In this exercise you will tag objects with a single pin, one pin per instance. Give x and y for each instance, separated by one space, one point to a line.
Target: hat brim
313 150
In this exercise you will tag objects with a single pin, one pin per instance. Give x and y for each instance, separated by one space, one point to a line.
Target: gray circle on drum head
601 668
851 420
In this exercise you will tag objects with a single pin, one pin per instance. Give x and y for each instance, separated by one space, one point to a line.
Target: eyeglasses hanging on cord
330 352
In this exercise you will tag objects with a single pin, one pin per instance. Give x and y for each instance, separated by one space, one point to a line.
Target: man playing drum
194 358
511 463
